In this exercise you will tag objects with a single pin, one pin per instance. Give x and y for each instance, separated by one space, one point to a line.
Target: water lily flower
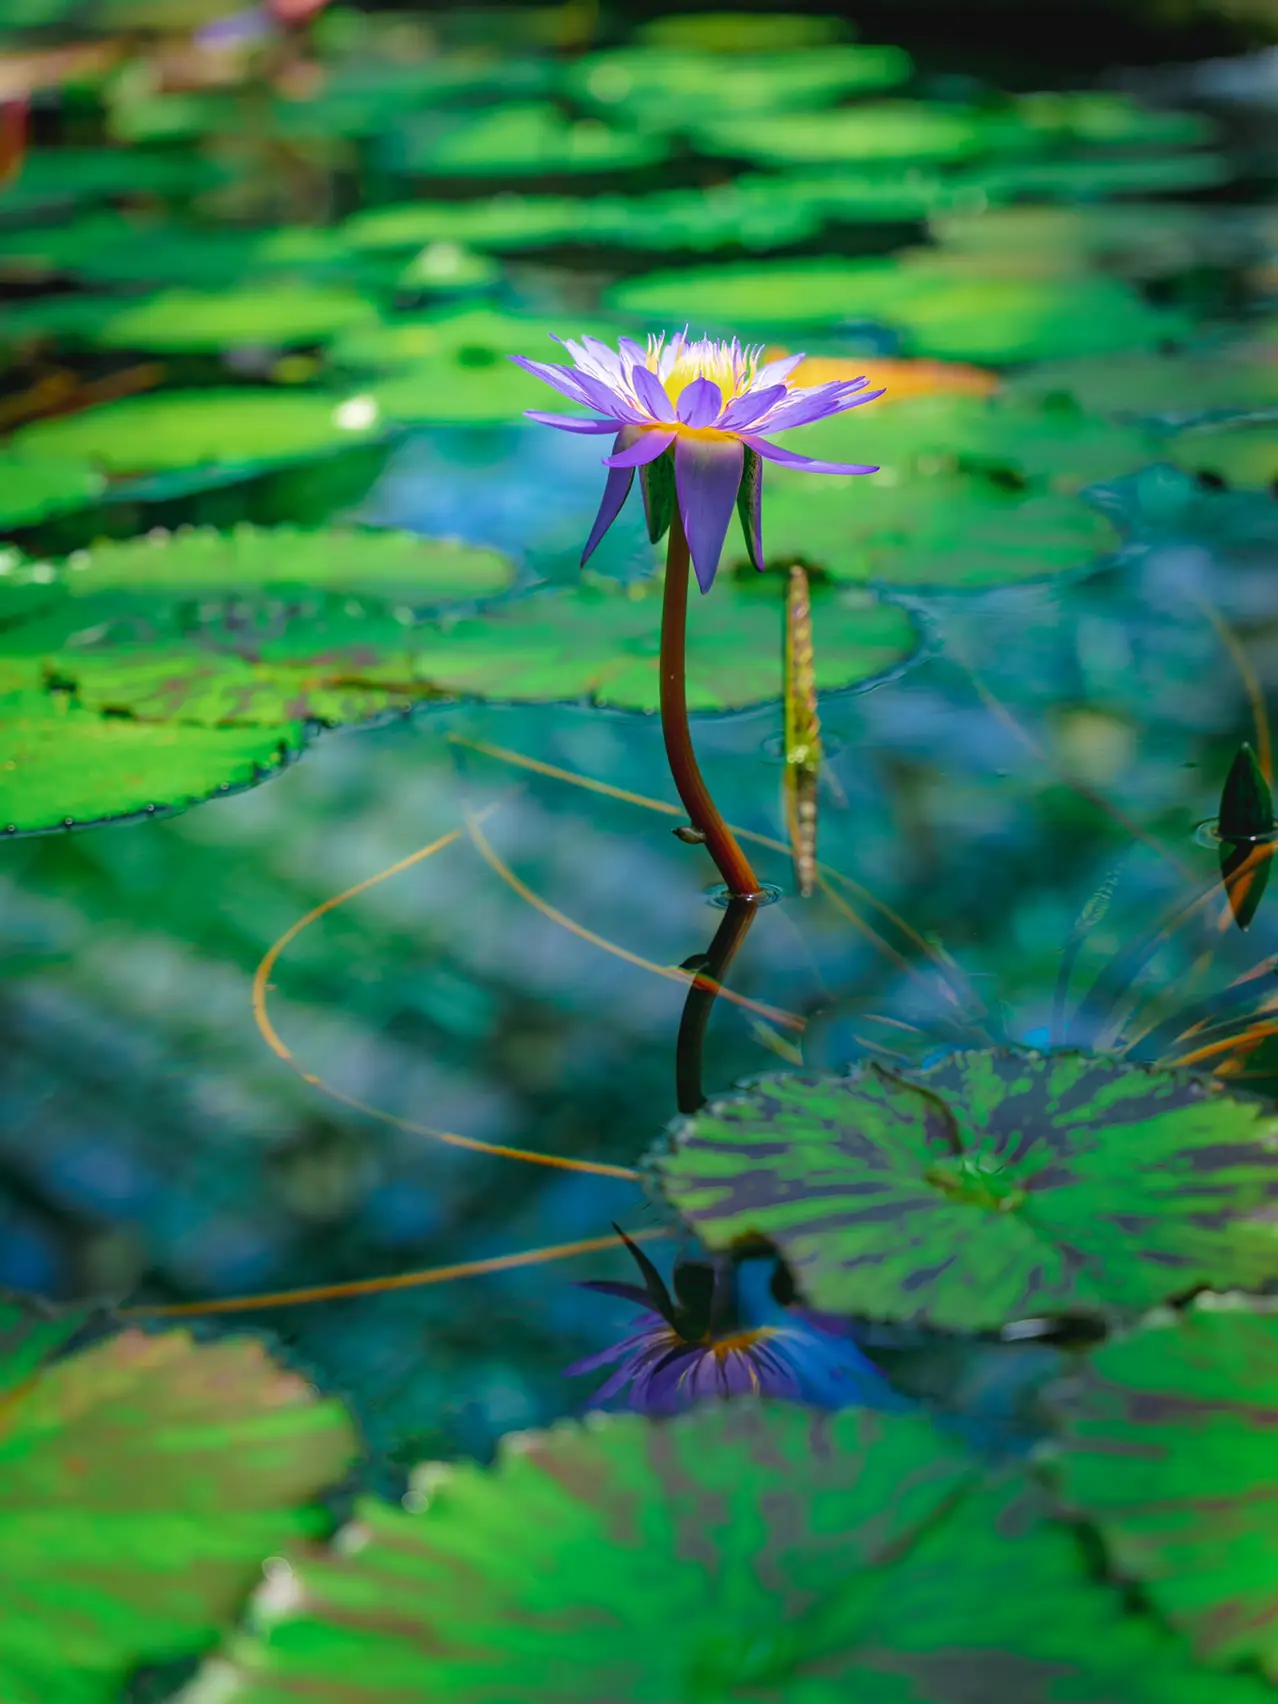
694 416
694 1345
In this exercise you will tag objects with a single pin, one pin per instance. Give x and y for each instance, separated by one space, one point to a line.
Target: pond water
272 284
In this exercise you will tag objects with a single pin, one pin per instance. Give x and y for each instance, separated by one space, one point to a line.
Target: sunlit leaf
995 1186
33 488
1168 1449
937 312
274 316
60 766
1236 375
601 642
878 130
1240 454
736 1554
514 140
56 177
240 426
142 1484
124 248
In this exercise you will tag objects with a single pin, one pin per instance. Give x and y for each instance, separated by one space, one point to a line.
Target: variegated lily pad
995 1186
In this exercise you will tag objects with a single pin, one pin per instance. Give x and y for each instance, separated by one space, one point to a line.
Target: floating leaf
1167 1448
474 340
123 248
660 88
1237 375
875 130
737 1553
1240 454
255 562
531 140
142 1483
943 531
56 177
938 313
274 316
61 766
995 1186
243 427
600 641
34 488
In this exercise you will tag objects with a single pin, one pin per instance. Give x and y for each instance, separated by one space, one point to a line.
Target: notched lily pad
142 1482
995 1186
601 641
739 1553
1168 1450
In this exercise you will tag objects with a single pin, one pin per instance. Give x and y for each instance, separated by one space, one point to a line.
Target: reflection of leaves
1187 1406
240 426
60 765
738 1553
994 1186
142 1483
938 310
600 641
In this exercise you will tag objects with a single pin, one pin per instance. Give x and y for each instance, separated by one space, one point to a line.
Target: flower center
677 364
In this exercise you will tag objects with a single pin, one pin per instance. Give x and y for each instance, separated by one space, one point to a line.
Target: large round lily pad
600 641
1168 1448
529 140
995 1186
942 531
740 1554
61 766
938 312
1237 375
245 427
257 562
877 130
142 1484
266 316
116 247
34 488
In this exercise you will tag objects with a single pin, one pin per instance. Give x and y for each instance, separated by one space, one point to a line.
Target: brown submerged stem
703 814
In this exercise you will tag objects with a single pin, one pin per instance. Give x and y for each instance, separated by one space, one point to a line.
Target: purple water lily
693 1345
705 406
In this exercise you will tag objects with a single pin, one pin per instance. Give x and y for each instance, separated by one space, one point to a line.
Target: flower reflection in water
695 1344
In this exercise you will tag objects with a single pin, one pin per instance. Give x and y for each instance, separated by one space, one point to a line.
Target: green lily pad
600 641
61 766
1091 176
876 130
276 316
202 563
1187 1405
240 426
1111 120
741 32
739 1553
507 221
534 139
939 313
670 87
926 435
34 488
996 1186
943 531
55 177
474 340
1240 454
119 248
1237 375
1135 240
142 1483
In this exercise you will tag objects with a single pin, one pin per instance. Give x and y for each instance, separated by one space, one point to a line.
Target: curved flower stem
732 862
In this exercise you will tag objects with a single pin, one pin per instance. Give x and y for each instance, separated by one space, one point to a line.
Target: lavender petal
707 477
560 377
571 422
700 403
746 410
652 394
778 371
645 448
616 490
792 458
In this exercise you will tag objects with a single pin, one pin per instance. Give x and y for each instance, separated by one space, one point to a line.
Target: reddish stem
732 862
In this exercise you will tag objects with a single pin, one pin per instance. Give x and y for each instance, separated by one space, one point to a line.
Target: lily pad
1188 1406
1234 376
1091 176
670 87
142 1482
1111 120
1240 454
937 312
34 488
737 1553
61 766
274 316
57 177
996 1186
600 641
119 248
241 426
876 130
942 531
201 563
534 139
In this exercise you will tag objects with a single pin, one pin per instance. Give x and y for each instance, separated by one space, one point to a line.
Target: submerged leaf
995 1186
